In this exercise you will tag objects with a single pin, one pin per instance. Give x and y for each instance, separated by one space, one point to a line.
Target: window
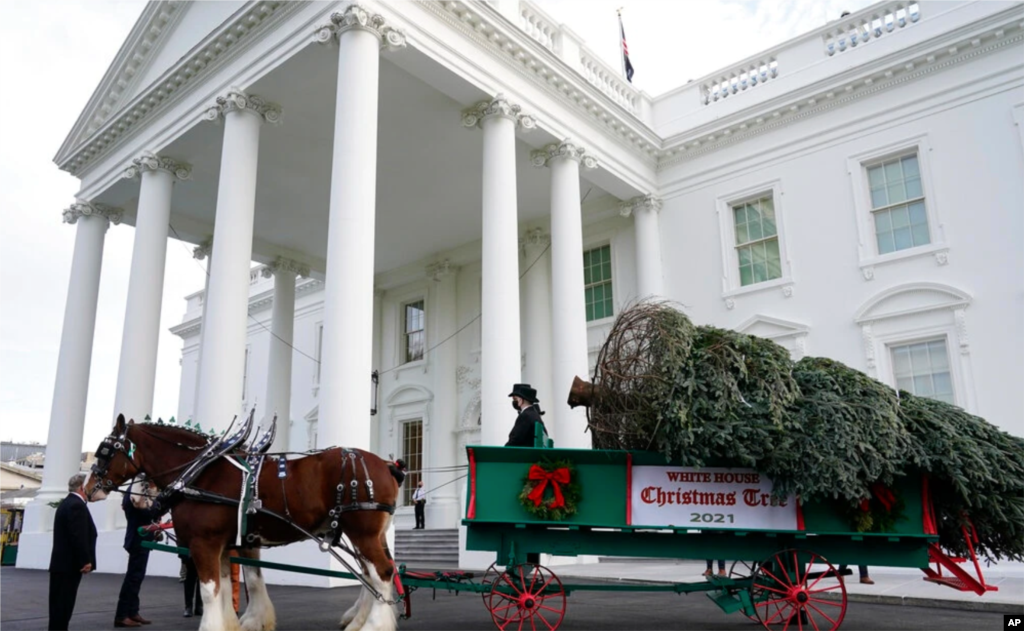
415 336
319 351
597 280
897 204
757 241
922 369
412 448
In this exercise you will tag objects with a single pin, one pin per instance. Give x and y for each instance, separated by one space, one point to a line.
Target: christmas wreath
551 490
879 513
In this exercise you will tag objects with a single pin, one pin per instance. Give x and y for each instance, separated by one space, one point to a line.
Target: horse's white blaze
350 615
259 612
213 614
382 615
362 606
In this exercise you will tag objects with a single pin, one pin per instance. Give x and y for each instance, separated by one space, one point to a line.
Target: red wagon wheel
798 590
526 596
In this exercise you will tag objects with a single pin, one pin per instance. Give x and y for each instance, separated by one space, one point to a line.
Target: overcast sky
55 52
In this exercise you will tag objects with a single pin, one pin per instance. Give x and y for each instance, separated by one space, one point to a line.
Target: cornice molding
92 209
357 17
896 71
640 203
498 106
237 100
220 46
151 162
567 149
282 264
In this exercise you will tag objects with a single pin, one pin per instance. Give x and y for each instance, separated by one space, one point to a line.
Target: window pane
744 256
900 217
918 214
746 275
923 370
876 179
910 167
754 230
774 261
742 236
597 275
896 193
943 383
905 383
412 450
903 238
590 311
606 269
753 214
901 361
914 188
883 222
923 386
920 234
893 172
879 198
885 243
937 354
919 359
758 252
760 272
740 214
768 208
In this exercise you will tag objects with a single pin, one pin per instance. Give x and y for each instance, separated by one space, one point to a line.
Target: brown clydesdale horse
308 494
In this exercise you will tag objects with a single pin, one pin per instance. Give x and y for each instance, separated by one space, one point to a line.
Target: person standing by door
419 498
73 554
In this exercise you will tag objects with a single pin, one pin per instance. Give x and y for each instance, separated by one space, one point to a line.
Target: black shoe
188 613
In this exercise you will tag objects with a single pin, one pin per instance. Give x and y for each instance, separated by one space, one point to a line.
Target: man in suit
524 400
137 506
419 498
74 551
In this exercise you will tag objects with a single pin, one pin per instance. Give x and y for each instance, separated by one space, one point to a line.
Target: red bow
883 495
556 477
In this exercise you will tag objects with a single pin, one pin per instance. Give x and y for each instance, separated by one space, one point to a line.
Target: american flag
626 66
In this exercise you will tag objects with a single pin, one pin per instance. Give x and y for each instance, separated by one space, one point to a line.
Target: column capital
357 17
91 209
149 161
440 270
498 106
237 100
203 250
282 264
641 202
567 149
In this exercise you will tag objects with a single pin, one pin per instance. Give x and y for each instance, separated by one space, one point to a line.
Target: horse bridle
110 446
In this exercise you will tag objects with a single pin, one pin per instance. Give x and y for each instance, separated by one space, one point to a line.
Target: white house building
459 195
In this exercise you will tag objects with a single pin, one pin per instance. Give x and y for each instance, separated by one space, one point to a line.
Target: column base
443 513
39 515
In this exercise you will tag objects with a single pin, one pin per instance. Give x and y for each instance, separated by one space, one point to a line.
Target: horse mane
175 433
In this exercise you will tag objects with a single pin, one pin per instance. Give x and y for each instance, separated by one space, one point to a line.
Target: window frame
944 337
867 246
589 247
731 281
403 333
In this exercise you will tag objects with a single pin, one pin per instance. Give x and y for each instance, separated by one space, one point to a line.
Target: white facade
920 286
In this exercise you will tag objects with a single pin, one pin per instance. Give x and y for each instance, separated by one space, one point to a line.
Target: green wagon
787 577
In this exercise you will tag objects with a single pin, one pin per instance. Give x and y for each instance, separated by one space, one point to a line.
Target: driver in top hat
524 400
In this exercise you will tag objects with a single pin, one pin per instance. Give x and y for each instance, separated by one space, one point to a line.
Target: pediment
911 298
772 328
408 395
165 33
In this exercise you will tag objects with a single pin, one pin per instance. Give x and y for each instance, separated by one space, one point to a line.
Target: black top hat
525 391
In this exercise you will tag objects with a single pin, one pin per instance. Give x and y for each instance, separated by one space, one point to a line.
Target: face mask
515 406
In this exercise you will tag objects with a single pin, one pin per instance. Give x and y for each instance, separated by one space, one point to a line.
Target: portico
342 160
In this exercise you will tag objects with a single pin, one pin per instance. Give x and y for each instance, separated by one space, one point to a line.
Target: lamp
375 378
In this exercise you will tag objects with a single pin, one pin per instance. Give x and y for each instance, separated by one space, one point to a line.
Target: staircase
427 549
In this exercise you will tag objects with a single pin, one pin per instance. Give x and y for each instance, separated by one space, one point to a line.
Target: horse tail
397 469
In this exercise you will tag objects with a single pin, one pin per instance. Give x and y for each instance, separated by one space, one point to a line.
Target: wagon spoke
771 589
796 568
505 578
551 627
776 578
823 615
827 589
825 602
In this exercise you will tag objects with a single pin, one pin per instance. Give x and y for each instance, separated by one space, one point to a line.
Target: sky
55 52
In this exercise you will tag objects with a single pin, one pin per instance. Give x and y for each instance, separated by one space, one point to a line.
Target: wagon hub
802 597
527 602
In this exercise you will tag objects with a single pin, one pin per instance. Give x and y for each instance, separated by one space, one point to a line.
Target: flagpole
622 56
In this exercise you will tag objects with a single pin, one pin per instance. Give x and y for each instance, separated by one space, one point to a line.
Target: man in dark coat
137 505
73 554
524 400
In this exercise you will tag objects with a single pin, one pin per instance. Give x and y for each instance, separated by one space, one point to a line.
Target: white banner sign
711 497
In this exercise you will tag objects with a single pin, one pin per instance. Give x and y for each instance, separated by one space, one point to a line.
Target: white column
648 244
441 437
347 354
282 328
568 305
202 251
536 283
70 392
136 374
500 361
222 358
